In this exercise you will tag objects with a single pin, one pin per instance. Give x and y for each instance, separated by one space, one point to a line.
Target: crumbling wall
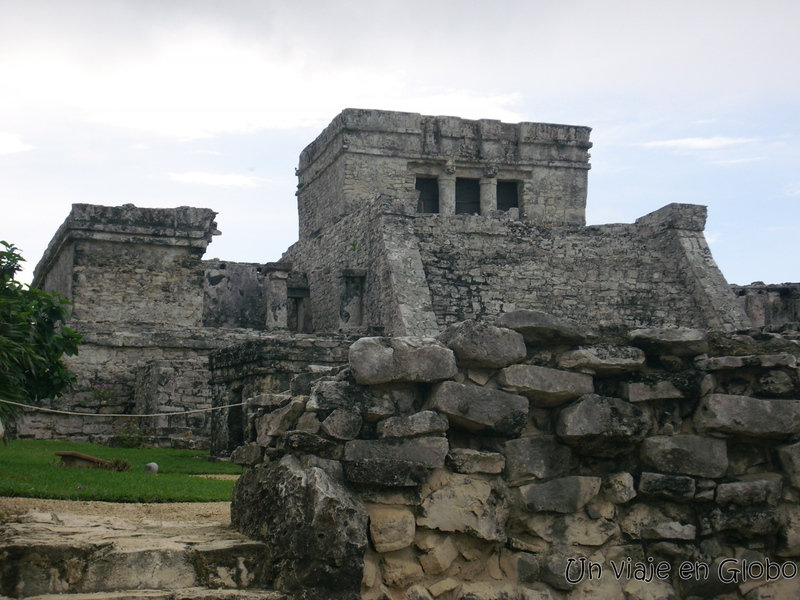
533 459
234 295
773 305
275 363
639 275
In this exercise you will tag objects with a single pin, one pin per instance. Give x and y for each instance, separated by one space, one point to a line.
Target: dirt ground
199 512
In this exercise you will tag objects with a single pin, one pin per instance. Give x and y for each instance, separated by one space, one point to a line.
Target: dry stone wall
532 458
640 275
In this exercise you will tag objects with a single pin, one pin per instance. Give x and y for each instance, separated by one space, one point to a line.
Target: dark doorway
468 196
507 195
428 188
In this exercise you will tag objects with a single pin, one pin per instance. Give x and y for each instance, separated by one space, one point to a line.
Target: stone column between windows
277 295
488 194
447 194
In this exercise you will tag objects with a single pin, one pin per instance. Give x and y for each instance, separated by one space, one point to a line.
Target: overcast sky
208 103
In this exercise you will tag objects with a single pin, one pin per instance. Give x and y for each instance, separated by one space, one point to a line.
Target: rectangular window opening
468 196
507 195
428 188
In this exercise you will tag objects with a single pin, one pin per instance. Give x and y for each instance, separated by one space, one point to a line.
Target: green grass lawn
30 468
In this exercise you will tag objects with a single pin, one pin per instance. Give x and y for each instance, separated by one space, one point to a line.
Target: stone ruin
450 386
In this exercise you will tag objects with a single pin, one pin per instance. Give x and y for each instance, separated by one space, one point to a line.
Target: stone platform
48 554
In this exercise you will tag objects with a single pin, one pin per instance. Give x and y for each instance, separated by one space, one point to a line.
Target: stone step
52 553
193 593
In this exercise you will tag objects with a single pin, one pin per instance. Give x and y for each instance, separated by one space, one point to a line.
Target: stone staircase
77 557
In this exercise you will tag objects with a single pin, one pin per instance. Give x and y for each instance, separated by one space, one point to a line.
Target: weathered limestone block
603 360
475 506
418 592
304 442
520 567
748 416
315 529
540 328
391 528
619 488
480 409
426 422
789 457
342 424
641 517
764 361
387 472
554 568
401 568
328 395
278 421
790 530
572 529
775 590
669 530
677 487
775 384
748 492
440 556
478 344
443 586
427 451
686 455
564 495
639 589
376 360
247 455
603 426
539 457
680 341
745 520
687 386
464 460
545 387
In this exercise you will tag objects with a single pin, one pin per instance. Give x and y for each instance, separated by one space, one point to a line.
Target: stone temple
451 387
408 224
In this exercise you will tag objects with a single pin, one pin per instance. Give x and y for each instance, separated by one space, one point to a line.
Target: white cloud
219 179
793 189
699 143
11 144
712 237
738 161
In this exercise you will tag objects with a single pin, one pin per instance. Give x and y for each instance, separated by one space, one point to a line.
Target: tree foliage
33 339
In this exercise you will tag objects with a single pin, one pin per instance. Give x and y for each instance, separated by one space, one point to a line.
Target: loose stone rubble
473 490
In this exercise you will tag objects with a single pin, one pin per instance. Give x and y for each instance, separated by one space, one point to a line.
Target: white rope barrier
80 414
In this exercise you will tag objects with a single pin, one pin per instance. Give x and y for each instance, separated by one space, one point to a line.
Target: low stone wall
531 459
280 362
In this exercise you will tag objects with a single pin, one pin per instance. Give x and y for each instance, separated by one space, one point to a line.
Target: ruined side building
408 224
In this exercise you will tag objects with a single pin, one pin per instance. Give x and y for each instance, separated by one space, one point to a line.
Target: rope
80 414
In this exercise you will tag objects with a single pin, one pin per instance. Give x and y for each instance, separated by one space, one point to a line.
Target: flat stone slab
541 328
480 409
746 416
90 555
545 387
478 344
376 360
681 341
687 455
603 359
602 426
765 361
78 460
